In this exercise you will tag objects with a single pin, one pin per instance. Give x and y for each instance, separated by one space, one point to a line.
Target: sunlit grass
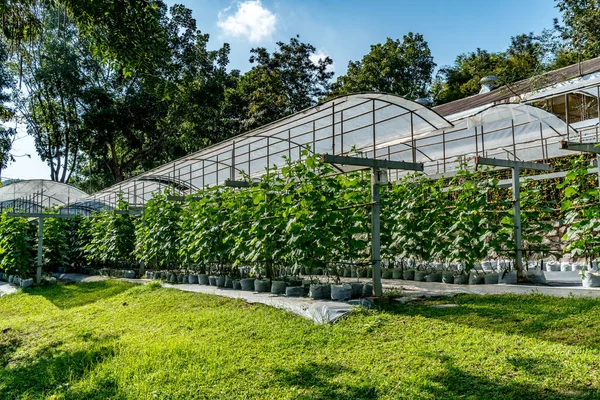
116 340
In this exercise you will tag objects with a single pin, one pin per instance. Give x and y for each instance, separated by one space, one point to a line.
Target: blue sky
344 30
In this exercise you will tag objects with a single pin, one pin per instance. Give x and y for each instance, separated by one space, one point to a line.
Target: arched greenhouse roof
358 122
37 194
506 131
382 126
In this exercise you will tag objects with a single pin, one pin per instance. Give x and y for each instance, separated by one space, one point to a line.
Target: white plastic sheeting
361 122
379 126
35 195
505 131
319 311
587 84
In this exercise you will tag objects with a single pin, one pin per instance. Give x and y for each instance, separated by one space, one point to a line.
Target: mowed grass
114 340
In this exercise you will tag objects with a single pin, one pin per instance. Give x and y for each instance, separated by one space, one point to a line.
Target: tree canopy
402 67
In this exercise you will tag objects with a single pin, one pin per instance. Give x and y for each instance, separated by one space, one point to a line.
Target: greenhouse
380 126
34 196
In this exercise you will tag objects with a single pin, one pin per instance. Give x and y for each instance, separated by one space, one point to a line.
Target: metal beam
495 162
182 198
542 177
237 184
372 163
40 215
583 147
127 212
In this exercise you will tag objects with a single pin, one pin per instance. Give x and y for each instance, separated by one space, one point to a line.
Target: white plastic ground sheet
320 311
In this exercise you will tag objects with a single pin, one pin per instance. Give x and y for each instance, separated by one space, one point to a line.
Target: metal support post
376 167
516 167
376 232
516 187
38 275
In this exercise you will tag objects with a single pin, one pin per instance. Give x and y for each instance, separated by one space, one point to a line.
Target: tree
279 84
52 69
127 31
139 121
400 67
7 135
580 29
523 59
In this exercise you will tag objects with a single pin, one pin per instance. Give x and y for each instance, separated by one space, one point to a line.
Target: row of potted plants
288 286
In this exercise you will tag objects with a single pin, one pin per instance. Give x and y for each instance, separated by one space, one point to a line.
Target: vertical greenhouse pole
376 231
38 273
375 166
516 167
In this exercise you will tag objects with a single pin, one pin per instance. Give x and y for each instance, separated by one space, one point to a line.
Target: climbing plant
111 237
158 238
16 245
581 207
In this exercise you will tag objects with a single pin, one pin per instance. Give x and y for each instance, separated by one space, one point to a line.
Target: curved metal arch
162 179
538 109
292 142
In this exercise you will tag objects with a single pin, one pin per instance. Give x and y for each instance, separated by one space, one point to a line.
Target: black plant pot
247 284
278 287
320 291
408 274
261 286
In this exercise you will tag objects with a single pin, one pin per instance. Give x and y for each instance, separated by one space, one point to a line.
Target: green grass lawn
121 341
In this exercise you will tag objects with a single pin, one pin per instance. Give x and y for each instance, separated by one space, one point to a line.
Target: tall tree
128 31
140 121
7 135
403 67
52 68
580 29
279 84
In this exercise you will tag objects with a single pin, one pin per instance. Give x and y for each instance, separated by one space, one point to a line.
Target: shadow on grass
52 372
318 381
453 383
69 295
569 321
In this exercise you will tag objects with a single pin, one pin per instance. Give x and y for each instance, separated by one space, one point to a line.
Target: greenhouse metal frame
372 125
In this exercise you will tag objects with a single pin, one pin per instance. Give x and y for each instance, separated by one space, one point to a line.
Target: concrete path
5 288
561 284
79 277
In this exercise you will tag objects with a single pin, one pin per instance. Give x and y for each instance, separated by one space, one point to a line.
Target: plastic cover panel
376 125
35 195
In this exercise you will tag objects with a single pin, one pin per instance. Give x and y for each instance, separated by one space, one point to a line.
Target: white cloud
250 20
321 55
